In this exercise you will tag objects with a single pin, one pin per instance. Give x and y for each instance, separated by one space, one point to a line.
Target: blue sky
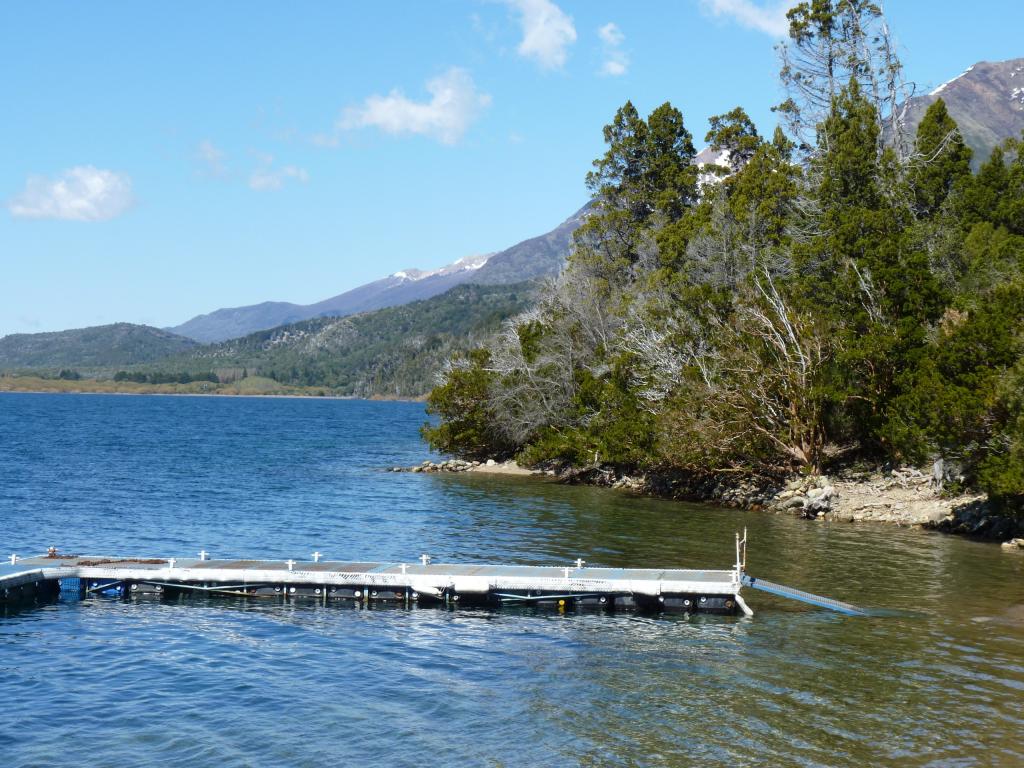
162 160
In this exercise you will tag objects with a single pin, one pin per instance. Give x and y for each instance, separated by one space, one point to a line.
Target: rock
1013 544
417 469
491 462
821 494
795 502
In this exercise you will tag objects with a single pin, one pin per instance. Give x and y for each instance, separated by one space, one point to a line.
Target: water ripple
935 679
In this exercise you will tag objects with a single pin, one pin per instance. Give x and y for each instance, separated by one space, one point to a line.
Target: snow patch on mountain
942 87
465 264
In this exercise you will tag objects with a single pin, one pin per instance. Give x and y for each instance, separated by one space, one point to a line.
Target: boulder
821 493
1013 544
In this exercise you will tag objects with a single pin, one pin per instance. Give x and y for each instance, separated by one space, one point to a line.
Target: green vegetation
843 292
160 377
252 385
392 352
96 348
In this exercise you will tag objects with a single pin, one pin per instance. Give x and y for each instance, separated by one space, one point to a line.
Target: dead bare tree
752 394
538 355
830 44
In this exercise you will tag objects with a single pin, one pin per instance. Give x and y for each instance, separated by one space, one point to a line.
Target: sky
162 160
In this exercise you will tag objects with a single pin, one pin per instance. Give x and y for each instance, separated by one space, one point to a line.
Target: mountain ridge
97 346
986 100
534 257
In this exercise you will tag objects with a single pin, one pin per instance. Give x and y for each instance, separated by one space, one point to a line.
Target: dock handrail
804 597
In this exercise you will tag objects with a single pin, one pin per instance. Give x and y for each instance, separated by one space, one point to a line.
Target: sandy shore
503 468
489 467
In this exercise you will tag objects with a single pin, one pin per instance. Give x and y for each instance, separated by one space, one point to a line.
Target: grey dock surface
577 585
691 589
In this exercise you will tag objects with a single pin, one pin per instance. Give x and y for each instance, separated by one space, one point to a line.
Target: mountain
537 257
399 288
395 351
986 100
120 344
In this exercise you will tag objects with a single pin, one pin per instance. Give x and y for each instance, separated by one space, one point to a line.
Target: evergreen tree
734 133
467 423
942 161
986 190
646 178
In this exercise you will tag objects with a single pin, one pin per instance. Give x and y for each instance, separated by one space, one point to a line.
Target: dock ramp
804 597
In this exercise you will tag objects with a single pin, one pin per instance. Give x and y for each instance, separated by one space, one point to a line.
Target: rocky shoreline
490 467
902 496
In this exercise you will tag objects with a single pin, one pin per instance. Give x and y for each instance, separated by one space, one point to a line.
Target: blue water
225 683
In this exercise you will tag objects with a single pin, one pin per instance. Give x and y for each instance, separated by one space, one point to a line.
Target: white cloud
770 19
614 68
212 159
547 32
453 105
611 35
616 62
267 177
82 193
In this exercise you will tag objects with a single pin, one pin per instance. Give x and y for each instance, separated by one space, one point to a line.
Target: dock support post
743 606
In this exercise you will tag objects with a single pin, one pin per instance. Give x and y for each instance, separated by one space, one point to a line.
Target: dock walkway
574 585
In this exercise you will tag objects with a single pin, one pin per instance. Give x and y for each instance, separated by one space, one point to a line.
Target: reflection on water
935 679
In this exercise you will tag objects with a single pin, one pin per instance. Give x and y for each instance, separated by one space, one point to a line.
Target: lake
937 679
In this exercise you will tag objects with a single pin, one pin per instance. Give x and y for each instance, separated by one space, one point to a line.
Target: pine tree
942 161
670 173
986 190
734 133
619 178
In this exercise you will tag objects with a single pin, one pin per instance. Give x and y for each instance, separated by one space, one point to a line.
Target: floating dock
421 583
574 586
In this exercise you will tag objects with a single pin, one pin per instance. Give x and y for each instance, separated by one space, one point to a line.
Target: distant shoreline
37 386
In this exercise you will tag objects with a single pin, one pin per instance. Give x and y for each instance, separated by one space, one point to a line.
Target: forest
837 292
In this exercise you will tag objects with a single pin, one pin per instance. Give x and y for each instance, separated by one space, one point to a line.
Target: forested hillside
844 292
395 352
119 344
